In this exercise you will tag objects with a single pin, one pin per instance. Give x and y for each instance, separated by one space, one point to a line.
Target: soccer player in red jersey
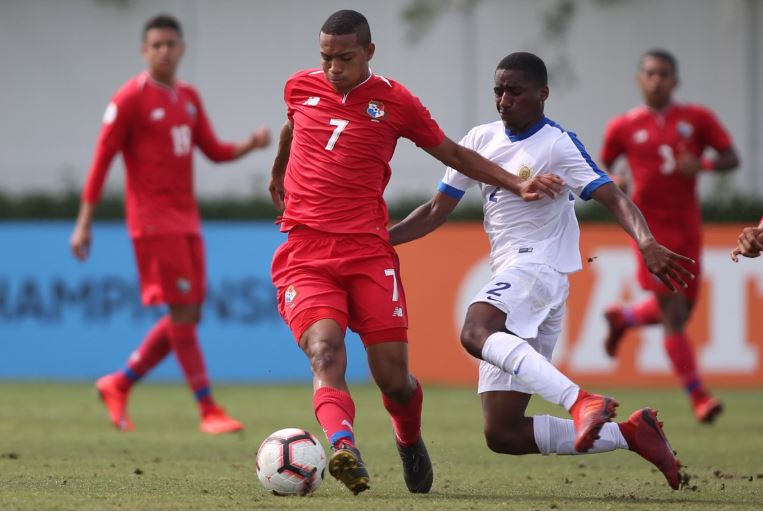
155 120
663 142
749 243
337 268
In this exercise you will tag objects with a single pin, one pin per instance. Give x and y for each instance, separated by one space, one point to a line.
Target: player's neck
659 107
167 80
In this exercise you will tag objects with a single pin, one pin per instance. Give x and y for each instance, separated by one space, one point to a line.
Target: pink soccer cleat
217 422
115 400
707 409
645 437
617 329
589 413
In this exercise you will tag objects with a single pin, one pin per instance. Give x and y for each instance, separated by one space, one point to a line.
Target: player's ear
370 49
544 93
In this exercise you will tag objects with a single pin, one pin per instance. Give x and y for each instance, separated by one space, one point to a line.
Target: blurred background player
749 243
155 121
664 142
337 268
514 322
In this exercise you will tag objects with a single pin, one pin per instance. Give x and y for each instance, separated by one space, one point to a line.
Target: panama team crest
290 294
375 109
525 172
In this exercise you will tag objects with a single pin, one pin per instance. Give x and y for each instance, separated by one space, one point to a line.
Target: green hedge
65 206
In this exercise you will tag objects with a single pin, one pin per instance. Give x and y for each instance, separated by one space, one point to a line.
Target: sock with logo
152 350
406 418
555 435
335 411
185 343
679 350
529 368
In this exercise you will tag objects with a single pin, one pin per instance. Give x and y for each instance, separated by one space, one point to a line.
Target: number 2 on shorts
501 285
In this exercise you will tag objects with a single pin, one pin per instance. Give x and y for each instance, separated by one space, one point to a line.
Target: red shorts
681 242
354 279
171 269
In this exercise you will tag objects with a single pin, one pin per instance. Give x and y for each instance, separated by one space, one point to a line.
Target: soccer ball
291 461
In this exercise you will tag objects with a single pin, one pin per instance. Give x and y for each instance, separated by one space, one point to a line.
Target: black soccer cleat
347 466
417 467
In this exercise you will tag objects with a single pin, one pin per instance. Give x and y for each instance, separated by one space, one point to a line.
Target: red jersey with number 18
155 127
342 144
652 141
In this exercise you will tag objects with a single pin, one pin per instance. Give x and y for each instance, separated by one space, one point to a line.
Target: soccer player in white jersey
513 323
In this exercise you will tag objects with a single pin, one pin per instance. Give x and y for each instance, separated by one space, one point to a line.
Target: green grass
57 452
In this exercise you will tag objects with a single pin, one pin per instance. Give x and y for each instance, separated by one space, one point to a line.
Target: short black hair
532 65
662 54
348 21
162 21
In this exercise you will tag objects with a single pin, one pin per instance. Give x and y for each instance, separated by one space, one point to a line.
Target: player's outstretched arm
424 219
749 242
260 138
279 166
660 261
475 166
81 237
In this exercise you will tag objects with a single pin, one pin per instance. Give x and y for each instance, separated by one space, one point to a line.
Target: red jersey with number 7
155 126
342 144
652 141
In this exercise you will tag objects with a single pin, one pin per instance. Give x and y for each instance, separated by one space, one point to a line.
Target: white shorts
533 297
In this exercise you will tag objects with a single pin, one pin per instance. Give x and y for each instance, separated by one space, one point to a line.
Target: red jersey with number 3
342 144
651 141
155 127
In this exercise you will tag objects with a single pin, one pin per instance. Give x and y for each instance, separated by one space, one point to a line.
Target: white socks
555 435
529 368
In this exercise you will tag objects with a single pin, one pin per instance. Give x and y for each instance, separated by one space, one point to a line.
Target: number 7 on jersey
340 125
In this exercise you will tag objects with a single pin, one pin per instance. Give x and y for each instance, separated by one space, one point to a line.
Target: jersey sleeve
417 124
204 136
115 128
613 146
454 183
570 160
712 132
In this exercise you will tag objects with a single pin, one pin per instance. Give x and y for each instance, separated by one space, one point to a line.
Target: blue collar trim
527 133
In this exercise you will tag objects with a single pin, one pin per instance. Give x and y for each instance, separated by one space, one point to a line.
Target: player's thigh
376 298
171 269
306 289
526 294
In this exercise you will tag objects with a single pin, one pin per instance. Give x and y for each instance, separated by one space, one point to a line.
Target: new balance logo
312 101
397 312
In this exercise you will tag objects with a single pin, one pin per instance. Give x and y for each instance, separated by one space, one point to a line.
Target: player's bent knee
473 338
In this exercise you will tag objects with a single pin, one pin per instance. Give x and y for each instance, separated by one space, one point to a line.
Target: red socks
188 353
681 354
645 313
154 348
335 411
406 418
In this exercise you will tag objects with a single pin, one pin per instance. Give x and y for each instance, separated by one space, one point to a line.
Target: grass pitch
57 451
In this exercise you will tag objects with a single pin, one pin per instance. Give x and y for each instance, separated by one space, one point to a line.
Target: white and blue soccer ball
291 461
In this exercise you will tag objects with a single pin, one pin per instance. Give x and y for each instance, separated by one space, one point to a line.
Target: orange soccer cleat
589 413
617 329
645 437
217 422
707 408
115 400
